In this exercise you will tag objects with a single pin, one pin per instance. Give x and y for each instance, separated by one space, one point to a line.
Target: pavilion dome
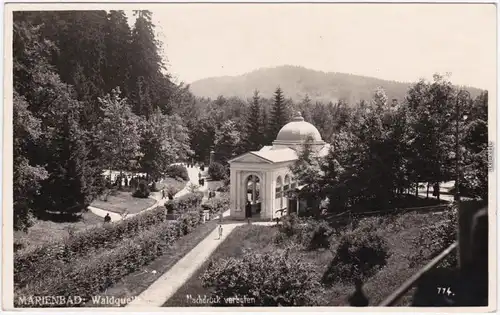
298 130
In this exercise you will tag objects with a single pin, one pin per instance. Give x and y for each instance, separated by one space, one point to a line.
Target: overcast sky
402 42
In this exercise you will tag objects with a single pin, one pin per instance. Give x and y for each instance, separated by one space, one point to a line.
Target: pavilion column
253 189
270 194
234 190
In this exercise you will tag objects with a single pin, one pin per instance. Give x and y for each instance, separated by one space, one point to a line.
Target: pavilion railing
392 299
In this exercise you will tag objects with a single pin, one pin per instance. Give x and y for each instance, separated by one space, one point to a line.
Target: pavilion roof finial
298 116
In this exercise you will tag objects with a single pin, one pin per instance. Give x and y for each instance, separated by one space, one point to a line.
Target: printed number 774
446 291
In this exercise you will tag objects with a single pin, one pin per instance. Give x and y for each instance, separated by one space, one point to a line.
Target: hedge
184 203
89 276
37 262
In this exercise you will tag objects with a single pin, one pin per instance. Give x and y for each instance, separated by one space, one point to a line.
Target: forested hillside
299 82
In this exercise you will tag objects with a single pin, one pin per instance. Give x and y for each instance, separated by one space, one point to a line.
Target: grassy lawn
175 184
135 283
47 230
398 233
246 237
123 201
52 227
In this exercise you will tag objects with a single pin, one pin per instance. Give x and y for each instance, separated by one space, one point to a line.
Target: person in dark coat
107 218
435 190
248 211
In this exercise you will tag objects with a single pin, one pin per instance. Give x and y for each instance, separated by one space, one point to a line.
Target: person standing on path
107 218
248 211
220 231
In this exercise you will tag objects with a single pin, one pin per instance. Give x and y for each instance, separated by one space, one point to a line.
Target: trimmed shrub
88 276
142 190
265 279
217 171
359 255
177 172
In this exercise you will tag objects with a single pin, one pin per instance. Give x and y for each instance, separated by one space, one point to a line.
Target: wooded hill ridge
297 82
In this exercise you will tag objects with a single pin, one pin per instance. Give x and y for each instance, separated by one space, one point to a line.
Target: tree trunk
438 192
120 181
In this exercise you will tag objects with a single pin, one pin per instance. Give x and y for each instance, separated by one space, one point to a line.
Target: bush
86 277
309 234
142 190
223 188
39 261
320 235
269 279
177 172
290 225
359 255
185 203
217 171
216 204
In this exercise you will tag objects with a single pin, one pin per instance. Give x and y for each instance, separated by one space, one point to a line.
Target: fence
426 209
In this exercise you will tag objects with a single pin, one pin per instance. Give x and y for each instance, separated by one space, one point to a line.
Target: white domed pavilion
263 177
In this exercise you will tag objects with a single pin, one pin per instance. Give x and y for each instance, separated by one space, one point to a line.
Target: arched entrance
252 193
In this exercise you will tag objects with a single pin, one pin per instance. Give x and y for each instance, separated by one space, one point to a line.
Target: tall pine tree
253 126
149 84
118 40
279 114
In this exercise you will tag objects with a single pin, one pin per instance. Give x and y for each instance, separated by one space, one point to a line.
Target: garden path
193 179
166 286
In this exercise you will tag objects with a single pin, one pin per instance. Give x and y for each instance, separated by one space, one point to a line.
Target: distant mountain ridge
297 82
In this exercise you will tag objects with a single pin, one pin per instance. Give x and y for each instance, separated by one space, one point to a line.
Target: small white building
263 177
